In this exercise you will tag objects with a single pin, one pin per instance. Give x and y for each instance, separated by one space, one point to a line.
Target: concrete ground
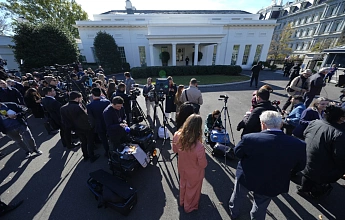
53 185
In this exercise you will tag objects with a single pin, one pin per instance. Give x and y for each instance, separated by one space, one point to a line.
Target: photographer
115 121
79 85
149 103
129 82
126 100
60 95
298 86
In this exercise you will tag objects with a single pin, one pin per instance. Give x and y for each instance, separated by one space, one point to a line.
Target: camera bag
221 150
112 192
140 130
147 143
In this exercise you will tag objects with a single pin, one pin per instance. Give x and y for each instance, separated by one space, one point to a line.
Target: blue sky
99 6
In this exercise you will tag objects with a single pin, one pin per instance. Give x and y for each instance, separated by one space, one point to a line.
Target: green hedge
144 72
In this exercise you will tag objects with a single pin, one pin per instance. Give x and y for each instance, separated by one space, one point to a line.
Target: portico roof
178 12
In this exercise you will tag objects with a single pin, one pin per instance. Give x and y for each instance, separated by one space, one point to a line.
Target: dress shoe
94 158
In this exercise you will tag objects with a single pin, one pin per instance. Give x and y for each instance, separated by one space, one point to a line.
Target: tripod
226 117
159 103
137 112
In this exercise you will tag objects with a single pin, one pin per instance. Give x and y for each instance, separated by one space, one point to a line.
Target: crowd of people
268 157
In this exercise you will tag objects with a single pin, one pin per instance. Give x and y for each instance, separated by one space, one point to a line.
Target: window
302 21
214 55
122 54
179 54
258 52
337 26
316 17
234 56
310 19
246 54
94 55
142 56
304 33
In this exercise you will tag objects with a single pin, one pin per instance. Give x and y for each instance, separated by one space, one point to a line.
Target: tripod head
224 98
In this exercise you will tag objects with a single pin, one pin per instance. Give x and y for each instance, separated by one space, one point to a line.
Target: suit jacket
266 160
52 107
316 84
11 95
95 112
74 117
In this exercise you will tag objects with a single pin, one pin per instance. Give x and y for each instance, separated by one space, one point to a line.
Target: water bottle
127 129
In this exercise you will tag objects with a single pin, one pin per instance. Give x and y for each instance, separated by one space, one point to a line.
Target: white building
223 36
312 21
6 52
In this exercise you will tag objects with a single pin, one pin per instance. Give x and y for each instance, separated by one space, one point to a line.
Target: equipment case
112 192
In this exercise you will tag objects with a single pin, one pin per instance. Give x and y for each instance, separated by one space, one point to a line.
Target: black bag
147 143
196 106
122 163
140 130
220 150
112 192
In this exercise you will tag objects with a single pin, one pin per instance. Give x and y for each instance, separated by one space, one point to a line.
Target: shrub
153 71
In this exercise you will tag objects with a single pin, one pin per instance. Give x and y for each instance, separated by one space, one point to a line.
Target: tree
321 45
279 48
5 27
43 45
64 12
107 51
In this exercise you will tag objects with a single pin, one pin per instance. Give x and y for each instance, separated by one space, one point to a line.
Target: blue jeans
260 202
23 137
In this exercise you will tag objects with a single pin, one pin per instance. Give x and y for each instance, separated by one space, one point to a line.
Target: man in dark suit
316 84
52 110
95 112
255 74
127 101
74 117
266 160
115 120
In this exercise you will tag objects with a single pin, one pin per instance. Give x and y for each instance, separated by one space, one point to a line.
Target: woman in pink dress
191 161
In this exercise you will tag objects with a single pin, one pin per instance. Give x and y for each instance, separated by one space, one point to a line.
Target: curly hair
191 132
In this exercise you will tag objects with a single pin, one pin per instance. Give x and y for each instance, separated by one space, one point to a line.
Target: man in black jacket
316 84
74 117
252 124
13 124
115 120
52 109
255 74
8 94
95 112
126 100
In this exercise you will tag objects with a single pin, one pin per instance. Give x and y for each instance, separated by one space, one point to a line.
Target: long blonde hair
178 94
191 132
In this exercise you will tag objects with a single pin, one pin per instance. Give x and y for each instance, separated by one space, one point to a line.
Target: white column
196 50
174 54
218 54
151 55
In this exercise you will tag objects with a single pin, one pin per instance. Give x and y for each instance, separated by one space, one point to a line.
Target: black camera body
135 92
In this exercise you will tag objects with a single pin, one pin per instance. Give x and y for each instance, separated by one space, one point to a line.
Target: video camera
135 92
161 88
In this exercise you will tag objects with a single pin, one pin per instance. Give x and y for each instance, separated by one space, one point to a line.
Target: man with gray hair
266 160
316 82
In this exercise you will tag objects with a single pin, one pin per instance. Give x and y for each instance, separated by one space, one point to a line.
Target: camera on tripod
161 89
135 92
223 97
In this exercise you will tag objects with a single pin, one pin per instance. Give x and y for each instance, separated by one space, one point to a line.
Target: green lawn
203 80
